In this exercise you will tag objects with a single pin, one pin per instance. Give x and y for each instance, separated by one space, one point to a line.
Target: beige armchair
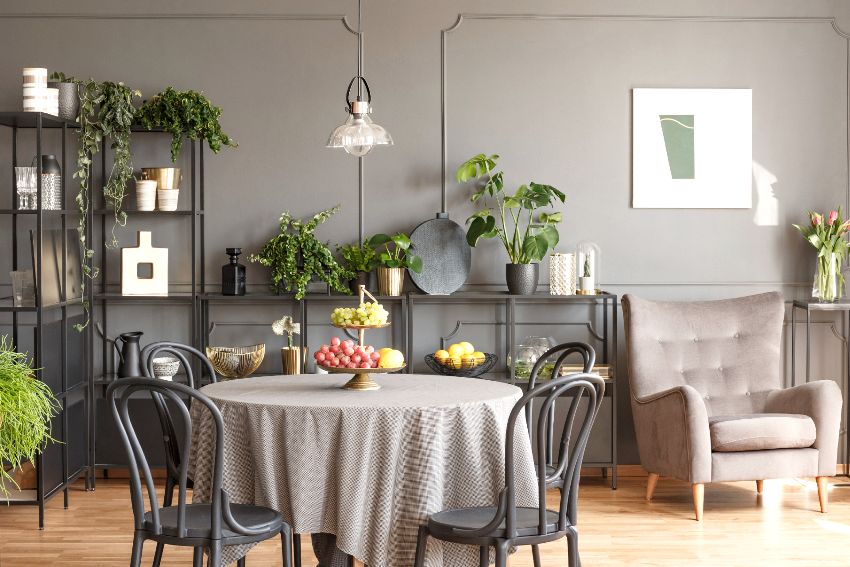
707 397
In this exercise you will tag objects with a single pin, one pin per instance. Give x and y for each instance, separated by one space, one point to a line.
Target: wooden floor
782 527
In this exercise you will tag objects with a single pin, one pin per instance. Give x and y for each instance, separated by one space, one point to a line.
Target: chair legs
535 553
296 548
286 544
573 558
759 486
698 490
823 493
138 542
421 544
502 554
240 562
215 554
650 485
198 557
167 498
484 556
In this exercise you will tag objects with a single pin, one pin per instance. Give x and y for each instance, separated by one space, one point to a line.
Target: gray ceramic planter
522 278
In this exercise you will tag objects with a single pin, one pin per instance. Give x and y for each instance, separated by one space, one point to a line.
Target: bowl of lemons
461 359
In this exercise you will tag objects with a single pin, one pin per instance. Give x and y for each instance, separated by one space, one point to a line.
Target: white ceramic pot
586 286
34 77
145 194
167 199
35 99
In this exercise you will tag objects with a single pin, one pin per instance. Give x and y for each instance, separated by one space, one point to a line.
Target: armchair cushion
757 432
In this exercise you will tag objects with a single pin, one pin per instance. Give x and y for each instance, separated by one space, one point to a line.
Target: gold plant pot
236 362
390 281
291 358
165 177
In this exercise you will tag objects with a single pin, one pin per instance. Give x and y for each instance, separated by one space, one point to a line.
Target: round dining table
367 467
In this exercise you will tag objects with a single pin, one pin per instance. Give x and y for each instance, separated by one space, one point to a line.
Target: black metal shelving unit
60 463
106 297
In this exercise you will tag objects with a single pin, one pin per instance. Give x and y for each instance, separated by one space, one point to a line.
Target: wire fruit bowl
490 361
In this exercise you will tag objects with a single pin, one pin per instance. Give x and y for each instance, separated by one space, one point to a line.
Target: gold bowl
236 362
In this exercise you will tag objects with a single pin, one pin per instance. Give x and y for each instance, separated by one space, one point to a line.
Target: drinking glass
25 183
23 288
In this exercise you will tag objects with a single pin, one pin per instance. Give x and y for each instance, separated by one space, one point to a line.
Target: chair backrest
587 387
728 350
183 353
119 394
557 355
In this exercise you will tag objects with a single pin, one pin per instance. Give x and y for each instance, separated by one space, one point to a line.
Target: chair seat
198 520
472 518
759 432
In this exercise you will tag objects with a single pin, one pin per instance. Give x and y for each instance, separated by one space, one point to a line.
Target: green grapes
364 314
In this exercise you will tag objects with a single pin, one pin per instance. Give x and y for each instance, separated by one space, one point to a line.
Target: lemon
441 356
457 351
468 361
479 357
391 359
455 362
467 347
384 350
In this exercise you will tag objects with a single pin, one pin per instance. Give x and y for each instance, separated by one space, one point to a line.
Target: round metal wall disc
446 257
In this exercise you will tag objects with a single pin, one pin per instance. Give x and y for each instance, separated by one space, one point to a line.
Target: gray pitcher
129 354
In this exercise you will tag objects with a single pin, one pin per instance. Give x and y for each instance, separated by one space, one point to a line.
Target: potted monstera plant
517 220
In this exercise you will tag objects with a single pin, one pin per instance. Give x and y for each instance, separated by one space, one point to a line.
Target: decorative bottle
233 274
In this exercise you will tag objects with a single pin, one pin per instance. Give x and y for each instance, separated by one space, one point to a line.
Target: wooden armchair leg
823 492
759 486
650 485
699 497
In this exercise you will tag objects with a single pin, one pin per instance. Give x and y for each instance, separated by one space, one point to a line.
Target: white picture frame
692 148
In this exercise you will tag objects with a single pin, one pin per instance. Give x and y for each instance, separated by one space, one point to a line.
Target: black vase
522 278
69 100
362 278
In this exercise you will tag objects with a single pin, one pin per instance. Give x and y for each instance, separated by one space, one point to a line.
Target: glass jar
588 268
233 274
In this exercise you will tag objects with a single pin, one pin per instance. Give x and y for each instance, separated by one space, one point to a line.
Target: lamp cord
359 47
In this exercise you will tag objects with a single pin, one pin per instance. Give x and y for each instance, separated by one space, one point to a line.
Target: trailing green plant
115 120
397 252
530 233
358 257
185 113
295 256
27 406
61 77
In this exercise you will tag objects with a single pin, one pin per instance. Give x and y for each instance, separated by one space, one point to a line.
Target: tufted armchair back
728 350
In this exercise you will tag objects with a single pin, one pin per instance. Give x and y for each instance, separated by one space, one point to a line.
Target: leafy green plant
397 252
530 233
295 255
26 408
185 113
358 257
115 118
106 112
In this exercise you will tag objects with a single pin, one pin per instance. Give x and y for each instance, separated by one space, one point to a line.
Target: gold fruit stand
361 381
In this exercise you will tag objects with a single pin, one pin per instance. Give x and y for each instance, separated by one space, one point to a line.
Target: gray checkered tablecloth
368 467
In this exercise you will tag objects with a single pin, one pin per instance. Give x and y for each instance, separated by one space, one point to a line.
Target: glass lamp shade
588 267
358 135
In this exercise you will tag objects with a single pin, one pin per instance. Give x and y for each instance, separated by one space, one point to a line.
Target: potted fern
26 408
359 259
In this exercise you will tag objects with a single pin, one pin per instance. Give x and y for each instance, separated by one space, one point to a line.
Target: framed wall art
692 148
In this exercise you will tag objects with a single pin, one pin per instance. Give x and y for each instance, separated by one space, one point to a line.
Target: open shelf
30 120
116 296
131 213
35 212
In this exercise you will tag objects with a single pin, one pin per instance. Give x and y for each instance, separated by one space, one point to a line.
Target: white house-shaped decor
132 283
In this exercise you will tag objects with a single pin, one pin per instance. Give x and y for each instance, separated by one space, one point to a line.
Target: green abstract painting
678 130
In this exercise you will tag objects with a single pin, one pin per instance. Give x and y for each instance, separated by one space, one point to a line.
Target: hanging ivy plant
184 114
106 112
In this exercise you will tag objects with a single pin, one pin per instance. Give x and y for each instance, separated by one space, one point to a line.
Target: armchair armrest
672 434
821 401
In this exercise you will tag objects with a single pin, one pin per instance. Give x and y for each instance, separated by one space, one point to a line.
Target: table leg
808 343
793 345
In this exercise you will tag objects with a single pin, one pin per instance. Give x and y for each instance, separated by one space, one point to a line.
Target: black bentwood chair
183 353
506 524
212 525
559 353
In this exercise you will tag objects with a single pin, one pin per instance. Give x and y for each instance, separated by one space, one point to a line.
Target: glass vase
828 286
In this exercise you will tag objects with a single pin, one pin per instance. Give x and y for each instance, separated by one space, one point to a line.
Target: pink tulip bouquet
827 236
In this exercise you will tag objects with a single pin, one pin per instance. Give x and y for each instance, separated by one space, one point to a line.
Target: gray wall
552 96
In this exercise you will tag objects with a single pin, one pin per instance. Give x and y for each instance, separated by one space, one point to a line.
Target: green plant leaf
415 264
379 240
480 227
550 235
401 240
